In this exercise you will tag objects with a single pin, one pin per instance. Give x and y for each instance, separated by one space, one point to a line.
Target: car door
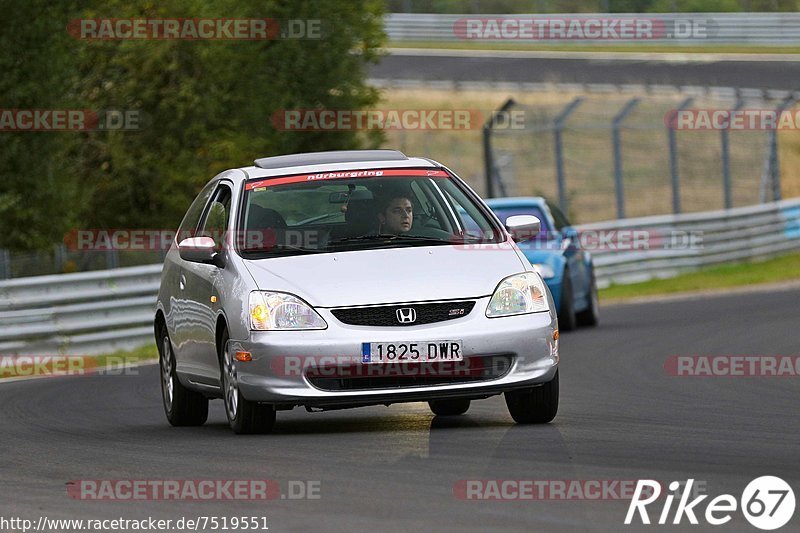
173 297
574 255
199 286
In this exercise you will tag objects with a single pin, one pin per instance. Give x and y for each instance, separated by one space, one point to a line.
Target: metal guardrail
83 313
718 28
752 232
102 311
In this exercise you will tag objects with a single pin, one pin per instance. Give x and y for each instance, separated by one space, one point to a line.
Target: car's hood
389 275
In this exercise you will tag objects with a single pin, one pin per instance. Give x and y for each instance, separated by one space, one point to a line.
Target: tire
244 417
566 313
591 315
451 407
537 405
183 407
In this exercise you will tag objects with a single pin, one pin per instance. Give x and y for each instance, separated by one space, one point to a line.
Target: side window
216 219
558 217
419 197
467 219
195 211
432 200
424 212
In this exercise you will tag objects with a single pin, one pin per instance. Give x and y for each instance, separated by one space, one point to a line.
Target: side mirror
200 250
523 227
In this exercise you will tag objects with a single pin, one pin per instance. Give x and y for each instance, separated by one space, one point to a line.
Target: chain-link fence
60 259
619 155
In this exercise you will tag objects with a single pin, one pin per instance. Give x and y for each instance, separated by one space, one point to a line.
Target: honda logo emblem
406 315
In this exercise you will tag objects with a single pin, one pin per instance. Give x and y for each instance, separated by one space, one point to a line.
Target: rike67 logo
767 503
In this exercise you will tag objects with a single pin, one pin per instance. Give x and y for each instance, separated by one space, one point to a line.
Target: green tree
207 105
203 106
36 182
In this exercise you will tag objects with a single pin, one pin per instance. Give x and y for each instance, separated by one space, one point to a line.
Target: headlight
281 311
546 271
517 295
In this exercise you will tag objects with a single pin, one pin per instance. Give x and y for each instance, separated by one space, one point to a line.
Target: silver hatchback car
343 279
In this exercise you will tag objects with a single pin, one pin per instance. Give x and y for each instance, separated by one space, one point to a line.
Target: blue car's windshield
504 212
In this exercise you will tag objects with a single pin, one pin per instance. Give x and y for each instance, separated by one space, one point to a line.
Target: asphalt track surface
394 468
607 69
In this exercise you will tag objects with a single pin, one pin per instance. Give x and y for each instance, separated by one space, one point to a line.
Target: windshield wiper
281 248
391 237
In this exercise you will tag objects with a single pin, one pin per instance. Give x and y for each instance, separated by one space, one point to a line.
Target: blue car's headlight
517 295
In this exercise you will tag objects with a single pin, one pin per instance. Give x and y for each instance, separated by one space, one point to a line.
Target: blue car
557 255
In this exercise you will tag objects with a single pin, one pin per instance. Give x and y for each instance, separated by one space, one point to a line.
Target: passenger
396 215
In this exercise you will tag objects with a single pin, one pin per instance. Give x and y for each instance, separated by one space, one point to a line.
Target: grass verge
139 355
48 365
783 268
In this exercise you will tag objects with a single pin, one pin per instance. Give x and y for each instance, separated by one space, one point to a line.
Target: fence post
766 171
488 155
673 160
726 159
5 264
488 161
112 258
558 126
616 124
59 256
775 169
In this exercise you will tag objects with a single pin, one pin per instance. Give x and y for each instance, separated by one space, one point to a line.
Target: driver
396 215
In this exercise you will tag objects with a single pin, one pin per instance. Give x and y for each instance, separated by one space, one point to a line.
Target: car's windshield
357 210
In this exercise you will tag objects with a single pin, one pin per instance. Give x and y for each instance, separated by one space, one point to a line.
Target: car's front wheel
535 405
244 416
449 407
182 406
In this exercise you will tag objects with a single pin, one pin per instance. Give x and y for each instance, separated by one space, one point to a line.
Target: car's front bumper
276 372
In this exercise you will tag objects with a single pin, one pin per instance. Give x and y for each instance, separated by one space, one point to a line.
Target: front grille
399 375
387 315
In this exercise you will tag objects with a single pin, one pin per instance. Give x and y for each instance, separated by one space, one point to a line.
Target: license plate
411 352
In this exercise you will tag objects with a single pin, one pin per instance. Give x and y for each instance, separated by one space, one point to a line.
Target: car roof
516 201
322 158
312 162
